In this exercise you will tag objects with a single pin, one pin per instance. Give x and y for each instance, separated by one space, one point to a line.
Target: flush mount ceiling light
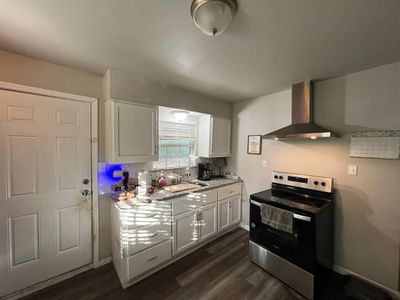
213 16
180 115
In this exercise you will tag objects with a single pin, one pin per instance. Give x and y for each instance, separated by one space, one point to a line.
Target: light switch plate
352 170
264 163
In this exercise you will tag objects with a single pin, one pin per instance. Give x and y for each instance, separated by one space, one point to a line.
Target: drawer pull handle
152 258
153 235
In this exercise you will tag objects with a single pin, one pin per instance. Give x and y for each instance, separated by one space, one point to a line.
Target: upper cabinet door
131 132
214 137
221 137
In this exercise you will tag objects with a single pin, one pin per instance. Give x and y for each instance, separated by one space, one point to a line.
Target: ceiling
268 46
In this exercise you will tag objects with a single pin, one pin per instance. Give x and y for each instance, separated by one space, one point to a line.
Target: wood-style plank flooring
219 270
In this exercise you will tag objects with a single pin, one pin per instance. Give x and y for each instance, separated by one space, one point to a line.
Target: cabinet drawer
148 259
145 237
193 201
206 197
229 191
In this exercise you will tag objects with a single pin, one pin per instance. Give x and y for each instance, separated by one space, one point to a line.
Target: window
177 143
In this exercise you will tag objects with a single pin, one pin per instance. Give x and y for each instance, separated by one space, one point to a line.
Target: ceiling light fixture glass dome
212 17
180 115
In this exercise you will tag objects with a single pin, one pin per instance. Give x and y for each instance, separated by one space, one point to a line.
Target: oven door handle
301 217
295 216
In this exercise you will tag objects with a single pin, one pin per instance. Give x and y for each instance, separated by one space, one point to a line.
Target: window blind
177 143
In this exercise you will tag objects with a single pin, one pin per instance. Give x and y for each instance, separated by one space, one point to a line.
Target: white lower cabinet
149 236
236 209
223 214
185 231
208 221
229 212
146 260
141 239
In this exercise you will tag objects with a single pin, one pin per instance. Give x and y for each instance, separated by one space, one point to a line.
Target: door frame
7 86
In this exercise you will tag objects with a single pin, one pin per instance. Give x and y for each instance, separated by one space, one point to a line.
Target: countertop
161 195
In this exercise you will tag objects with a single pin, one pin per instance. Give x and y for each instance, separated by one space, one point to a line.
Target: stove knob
276 176
253 225
316 182
323 183
280 177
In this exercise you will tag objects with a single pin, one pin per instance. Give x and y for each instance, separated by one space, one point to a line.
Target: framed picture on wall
254 144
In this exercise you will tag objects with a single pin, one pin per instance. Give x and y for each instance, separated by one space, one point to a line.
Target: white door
45 153
221 137
223 214
186 231
208 221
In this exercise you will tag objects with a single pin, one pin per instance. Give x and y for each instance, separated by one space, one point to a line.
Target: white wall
131 87
27 71
367 209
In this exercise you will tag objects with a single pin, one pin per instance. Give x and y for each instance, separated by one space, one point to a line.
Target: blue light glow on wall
106 176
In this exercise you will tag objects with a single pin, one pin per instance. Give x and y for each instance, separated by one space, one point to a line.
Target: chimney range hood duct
302 126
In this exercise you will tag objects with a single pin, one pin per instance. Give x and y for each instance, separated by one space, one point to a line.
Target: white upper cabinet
214 137
131 132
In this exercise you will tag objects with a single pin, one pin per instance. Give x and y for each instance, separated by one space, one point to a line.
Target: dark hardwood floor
219 270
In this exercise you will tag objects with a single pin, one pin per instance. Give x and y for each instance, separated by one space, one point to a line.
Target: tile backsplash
108 173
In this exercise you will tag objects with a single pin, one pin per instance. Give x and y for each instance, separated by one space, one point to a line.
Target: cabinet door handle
153 235
152 258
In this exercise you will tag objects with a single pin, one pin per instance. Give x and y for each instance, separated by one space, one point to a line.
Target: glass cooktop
288 200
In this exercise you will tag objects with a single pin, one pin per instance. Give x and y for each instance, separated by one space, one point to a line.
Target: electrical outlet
264 163
352 170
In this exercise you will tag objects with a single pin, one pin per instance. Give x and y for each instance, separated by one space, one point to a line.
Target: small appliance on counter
205 171
291 230
144 181
124 189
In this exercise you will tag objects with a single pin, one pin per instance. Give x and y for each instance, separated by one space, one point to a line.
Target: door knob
85 181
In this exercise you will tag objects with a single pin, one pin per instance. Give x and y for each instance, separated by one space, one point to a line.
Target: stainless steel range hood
302 126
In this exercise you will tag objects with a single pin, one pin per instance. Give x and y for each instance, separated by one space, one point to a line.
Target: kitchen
350 93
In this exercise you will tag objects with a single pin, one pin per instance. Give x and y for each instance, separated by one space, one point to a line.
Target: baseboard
47 283
103 262
244 226
343 271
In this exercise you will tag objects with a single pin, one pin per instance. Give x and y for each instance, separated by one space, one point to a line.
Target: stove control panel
323 184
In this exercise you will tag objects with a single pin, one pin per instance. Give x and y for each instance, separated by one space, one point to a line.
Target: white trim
244 226
104 261
343 271
94 154
43 92
95 192
47 283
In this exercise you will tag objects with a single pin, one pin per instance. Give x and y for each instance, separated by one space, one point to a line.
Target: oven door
297 247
